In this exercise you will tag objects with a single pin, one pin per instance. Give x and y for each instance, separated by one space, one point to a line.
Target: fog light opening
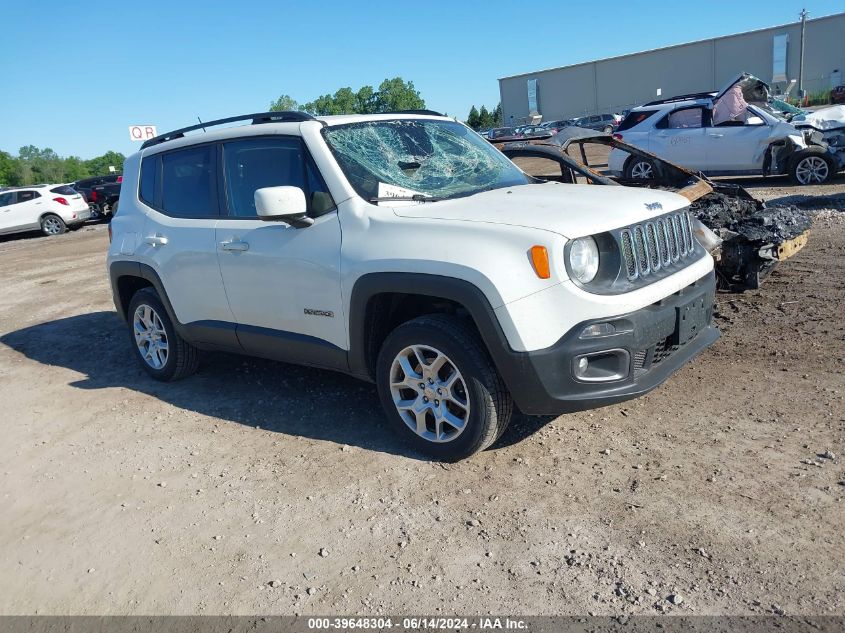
604 366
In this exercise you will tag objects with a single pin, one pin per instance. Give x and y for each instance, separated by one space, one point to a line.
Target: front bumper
658 340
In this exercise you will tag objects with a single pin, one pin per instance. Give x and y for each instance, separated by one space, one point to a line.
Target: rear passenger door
179 187
283 283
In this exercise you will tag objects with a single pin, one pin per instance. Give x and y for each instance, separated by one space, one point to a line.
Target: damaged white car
830 123
734 132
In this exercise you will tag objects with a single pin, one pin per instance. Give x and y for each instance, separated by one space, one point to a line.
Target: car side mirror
285 204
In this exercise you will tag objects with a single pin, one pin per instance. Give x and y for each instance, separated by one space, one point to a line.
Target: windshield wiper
417 197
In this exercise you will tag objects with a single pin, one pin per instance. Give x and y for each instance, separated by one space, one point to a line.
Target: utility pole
803 16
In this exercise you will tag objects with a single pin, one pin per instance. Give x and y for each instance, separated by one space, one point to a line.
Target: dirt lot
257 487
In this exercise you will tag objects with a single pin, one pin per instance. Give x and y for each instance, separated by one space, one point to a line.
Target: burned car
734 132
746 238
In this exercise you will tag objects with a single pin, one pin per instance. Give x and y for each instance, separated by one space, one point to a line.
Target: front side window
408 157
189 183
252 164
686 118
6 199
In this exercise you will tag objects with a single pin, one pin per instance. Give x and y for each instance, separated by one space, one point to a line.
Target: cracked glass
419 157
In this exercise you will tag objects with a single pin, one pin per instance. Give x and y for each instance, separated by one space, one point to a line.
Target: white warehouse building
617 83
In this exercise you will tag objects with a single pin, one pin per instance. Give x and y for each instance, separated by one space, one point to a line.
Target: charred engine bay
750 218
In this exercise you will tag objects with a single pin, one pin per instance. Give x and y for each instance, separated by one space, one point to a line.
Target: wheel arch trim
459 291
124 268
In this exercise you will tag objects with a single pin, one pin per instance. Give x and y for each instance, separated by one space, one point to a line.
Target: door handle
156 240
234 245
716 135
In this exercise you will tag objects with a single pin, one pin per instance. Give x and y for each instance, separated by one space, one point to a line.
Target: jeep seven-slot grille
646 248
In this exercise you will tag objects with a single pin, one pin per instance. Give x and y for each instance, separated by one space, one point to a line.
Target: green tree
397 94
485 119
472 119
285 103
10 174
75 169
497 116
99 166
365 98
392 94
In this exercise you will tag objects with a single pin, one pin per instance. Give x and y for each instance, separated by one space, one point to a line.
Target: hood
753 90
831 118
569 210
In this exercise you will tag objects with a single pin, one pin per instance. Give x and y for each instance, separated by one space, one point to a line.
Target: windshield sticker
386 190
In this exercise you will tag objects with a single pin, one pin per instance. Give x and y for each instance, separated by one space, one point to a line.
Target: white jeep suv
405 250
51 208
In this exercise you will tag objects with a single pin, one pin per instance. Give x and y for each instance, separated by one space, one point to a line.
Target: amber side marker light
540 260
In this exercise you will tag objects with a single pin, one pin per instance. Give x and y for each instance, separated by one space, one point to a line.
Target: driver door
738 145
680 138
282 282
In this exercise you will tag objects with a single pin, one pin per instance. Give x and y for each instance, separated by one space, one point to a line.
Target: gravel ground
257 487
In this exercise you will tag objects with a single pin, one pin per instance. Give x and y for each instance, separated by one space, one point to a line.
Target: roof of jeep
275 118
343 119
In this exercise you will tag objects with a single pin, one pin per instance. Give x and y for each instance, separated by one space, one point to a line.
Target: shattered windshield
419 159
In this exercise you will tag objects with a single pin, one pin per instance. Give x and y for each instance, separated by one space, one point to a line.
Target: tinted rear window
64 190
634 118
188 182
26 196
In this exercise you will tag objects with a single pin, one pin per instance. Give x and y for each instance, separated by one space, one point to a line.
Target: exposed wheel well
388 310
127 286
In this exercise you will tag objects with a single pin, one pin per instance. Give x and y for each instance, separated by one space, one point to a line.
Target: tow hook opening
603 366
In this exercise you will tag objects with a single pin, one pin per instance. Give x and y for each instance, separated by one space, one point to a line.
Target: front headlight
584 259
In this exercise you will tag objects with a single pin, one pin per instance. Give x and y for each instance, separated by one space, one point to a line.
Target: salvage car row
741 130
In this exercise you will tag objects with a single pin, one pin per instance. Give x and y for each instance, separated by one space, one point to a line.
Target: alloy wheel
642 169
810 170
52 226
429 393
150 336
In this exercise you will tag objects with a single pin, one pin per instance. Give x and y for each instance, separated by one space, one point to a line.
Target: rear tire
811 167
163 354
440 389
52 224
639 169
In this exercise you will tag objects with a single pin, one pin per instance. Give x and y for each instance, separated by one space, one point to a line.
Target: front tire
163 354
439 387
52 224
811 168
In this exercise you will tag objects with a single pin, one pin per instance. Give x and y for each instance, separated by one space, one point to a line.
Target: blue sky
76 75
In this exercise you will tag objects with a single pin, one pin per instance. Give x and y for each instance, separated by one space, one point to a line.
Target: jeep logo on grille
653 206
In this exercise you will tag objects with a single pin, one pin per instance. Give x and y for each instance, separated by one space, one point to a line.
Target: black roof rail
427 112
695 95
257 118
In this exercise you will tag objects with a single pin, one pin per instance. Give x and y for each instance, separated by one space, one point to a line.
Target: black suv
601 122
